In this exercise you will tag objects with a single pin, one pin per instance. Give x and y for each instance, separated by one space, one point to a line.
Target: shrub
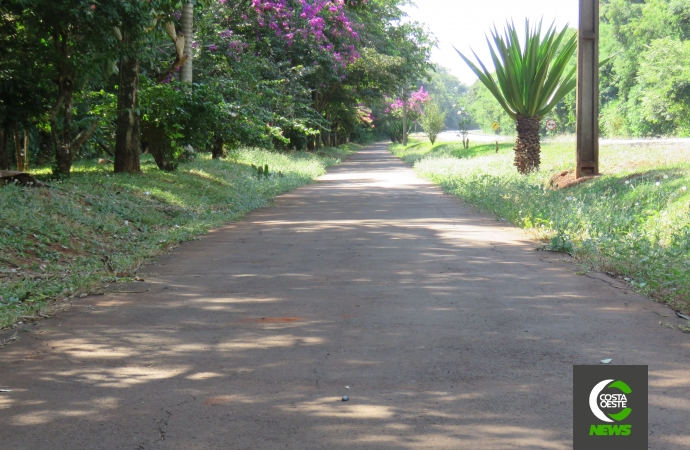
433 120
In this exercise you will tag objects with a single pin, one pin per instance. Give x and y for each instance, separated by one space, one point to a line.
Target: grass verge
98 227
633 221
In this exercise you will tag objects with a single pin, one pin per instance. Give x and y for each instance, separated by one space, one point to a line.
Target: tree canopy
89 78
643 90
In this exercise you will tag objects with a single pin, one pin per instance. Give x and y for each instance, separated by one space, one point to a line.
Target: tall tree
128 131
139 24
25 86
73 45
446 90
186 74
649 35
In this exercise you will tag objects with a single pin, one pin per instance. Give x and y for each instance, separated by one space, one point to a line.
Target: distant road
479 136
474 136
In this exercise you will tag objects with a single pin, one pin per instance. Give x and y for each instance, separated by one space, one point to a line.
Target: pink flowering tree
308 62
314 40
309 33
391 119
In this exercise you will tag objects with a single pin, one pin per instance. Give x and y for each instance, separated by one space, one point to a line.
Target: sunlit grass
633 221
54 242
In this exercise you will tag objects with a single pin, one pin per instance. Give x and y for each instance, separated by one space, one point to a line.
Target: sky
464 24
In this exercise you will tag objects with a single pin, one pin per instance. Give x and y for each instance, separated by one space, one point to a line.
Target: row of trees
435 104
645 90
88 77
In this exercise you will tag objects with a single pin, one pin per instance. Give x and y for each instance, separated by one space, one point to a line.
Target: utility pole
588 90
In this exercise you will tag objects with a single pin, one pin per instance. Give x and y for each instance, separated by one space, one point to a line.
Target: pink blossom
317 23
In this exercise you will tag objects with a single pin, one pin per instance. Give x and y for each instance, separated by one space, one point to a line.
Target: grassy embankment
633 221
98 227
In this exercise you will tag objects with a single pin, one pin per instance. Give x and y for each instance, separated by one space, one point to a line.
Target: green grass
53 242
417 150
633 221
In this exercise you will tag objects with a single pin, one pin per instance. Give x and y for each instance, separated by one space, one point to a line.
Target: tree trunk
63 152
5 160
128 133
18 148
527 144
217 149
26 150
404 118
188 31
62 135
158 145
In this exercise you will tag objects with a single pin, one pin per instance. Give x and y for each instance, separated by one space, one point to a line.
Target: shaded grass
633 221
99 226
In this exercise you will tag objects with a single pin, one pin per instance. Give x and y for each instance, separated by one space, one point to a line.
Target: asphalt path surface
444 327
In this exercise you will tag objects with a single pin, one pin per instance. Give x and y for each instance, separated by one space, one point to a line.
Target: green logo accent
624 388
610 430
621 386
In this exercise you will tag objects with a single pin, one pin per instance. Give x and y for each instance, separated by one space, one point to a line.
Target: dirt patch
112 303
217 401
566 179
124 285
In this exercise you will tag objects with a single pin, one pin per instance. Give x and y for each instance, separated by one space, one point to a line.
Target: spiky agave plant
531 81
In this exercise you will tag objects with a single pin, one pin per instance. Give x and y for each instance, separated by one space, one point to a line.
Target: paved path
449 329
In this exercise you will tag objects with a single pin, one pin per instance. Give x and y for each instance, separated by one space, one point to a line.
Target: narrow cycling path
445 328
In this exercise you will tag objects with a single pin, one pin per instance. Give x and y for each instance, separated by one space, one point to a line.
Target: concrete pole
588 90
188 31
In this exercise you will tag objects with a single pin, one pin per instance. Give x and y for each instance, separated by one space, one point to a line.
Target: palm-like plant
531 81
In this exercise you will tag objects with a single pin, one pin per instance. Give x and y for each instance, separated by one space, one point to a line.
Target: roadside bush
433 120
176 116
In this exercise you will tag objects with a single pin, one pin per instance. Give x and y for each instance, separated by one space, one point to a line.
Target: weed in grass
97 226
633 221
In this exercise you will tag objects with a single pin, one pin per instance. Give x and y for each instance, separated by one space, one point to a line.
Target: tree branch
83 136
106 148
179 62
53 124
